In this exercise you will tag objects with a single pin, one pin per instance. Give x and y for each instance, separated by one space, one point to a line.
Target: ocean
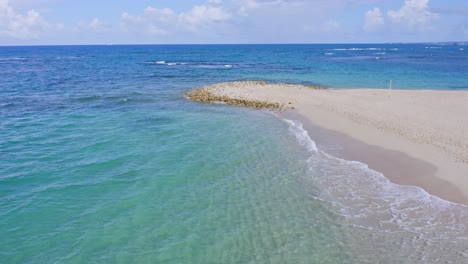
103 160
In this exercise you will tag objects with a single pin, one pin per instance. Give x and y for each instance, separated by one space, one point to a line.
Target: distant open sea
103 160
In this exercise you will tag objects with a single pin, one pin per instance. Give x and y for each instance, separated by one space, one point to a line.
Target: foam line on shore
303 137
369 202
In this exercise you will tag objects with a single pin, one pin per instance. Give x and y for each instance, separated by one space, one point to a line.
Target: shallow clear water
103 160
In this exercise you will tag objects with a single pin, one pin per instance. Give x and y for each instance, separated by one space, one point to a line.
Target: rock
214 94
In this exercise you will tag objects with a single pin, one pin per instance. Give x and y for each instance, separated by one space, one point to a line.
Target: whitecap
351 49
301 135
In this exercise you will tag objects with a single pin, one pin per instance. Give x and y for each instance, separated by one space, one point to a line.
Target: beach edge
398 163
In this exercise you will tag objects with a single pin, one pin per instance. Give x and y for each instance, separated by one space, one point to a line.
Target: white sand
431 126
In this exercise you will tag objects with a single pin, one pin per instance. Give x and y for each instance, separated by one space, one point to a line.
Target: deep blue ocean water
103 160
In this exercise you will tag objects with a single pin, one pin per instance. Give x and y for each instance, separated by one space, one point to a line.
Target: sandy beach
414 137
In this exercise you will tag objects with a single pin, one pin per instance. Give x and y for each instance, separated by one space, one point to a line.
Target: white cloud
163 21
96 25
151 21
202 15
241 21
413 15
215 2
245 7
374 20
22 26
162 15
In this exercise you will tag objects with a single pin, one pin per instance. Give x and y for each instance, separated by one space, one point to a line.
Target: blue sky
38 22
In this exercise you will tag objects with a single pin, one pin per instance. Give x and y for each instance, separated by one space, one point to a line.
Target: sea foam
379 212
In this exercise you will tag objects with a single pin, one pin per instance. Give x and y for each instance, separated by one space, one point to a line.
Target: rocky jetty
218 94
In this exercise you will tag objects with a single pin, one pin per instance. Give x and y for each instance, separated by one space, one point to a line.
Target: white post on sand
390 88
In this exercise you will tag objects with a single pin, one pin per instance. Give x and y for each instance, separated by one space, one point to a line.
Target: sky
65 22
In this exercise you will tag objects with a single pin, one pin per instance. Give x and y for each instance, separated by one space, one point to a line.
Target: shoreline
391 163
409 136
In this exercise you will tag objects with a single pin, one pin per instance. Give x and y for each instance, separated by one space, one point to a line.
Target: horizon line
227 44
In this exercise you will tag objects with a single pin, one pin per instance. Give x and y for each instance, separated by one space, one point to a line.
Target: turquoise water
102 160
